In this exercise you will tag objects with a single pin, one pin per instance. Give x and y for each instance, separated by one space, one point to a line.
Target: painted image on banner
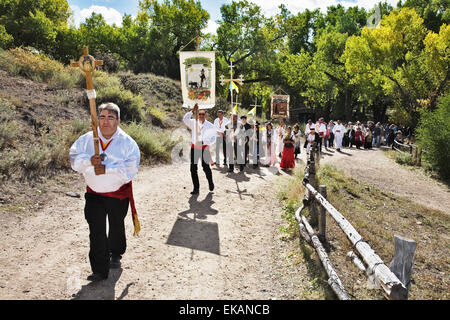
198 78
280 106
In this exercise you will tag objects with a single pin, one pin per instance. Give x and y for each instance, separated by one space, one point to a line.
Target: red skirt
288 159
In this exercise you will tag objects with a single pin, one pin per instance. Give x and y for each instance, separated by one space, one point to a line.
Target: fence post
419 157
401 264
322 215
312 182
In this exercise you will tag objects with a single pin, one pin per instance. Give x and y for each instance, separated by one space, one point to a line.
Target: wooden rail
414 151
371 263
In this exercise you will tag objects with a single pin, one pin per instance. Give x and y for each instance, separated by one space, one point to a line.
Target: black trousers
203 156
103 245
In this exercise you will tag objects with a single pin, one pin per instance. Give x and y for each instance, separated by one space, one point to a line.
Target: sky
112 10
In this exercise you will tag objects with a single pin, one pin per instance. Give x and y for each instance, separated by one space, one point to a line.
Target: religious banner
280 106
198 78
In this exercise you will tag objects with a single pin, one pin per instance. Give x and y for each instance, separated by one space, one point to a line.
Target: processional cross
240 80
87 64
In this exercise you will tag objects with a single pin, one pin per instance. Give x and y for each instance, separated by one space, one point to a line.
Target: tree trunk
348 104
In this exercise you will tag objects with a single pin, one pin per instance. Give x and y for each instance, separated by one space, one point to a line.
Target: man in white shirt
339 131
220 124
321 129
203 136
308 128
109 189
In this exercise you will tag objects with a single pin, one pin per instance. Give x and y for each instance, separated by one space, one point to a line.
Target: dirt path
374 167
221 245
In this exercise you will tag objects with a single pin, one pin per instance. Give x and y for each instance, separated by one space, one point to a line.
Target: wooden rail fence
414 151
393 280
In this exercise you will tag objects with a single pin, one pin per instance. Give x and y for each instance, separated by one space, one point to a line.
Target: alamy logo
374 20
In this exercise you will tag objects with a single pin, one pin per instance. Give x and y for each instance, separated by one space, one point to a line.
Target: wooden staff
88 64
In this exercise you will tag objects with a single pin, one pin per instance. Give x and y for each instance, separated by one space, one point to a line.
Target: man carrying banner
109 188
203 136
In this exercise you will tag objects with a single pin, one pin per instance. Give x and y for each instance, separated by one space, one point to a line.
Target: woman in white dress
269 139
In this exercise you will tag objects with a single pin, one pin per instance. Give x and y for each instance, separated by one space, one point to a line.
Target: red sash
125 191
203 147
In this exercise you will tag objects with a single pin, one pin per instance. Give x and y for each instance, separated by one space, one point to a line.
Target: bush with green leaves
433 136
153 145
6 40
131 106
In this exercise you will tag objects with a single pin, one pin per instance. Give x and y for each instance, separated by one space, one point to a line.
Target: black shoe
231 168
96 277
195 191
211 187
115 263
255 166
241 168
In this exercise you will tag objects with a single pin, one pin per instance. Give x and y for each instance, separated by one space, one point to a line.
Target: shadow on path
102 290
196 234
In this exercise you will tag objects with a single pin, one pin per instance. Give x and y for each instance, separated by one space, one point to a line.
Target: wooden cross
88 64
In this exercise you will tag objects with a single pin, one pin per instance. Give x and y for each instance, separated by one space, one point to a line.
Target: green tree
433 135
173 24
394 57
34 22
433 12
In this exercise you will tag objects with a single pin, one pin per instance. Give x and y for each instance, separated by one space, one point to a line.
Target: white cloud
211 27
76 15
111 15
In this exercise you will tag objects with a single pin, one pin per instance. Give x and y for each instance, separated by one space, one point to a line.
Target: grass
378 216
38 67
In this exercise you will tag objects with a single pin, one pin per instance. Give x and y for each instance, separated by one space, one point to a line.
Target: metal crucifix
88 64
240 80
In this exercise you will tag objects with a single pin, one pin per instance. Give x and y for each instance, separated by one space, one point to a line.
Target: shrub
6 40
8 127
101 80
158 116
8 132
111 61
153 145
403 158
131 106
152 86
433 136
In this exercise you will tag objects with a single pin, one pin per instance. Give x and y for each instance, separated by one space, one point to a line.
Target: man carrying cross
109 190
